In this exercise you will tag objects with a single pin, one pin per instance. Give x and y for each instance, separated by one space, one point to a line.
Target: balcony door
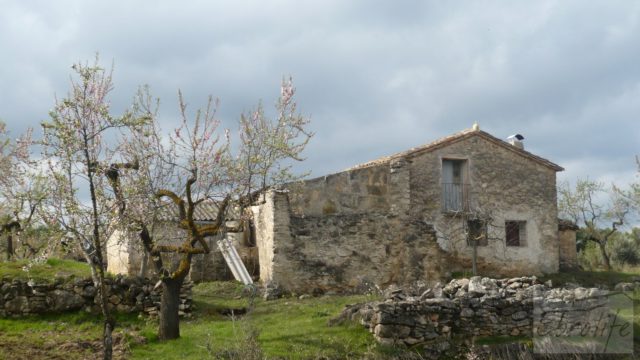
454 184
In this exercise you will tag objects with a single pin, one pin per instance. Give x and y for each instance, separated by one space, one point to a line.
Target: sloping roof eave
451 139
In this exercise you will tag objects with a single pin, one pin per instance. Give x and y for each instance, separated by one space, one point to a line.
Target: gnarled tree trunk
169 309
605 256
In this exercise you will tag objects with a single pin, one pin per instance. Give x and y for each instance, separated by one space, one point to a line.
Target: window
516 233
454 185
476 231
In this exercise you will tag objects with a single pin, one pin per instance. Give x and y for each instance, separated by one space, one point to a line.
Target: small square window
516 233
476 231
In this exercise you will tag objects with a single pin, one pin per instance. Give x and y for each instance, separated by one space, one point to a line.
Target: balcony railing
455 197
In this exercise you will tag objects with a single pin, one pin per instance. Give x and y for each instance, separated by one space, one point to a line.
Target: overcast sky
376 77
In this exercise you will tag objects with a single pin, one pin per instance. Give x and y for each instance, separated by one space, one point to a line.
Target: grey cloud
377 77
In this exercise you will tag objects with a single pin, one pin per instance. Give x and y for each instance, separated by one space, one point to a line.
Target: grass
45 271
284 328
593 278
288 328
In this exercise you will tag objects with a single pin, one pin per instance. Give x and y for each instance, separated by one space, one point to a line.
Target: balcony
455 197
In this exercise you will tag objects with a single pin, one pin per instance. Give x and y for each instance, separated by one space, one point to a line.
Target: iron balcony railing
455 197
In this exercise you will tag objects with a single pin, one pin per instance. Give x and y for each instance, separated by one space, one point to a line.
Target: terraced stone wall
131 295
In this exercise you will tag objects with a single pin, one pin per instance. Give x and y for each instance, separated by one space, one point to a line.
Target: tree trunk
169 307
109 321
107 339
605 256
9 246
144 263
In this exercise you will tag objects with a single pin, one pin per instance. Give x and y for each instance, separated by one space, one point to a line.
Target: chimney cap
516 137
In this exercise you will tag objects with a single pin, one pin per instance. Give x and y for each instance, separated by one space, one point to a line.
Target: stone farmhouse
408 217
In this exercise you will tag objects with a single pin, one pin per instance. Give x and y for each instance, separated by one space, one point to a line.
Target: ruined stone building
125 254
412 216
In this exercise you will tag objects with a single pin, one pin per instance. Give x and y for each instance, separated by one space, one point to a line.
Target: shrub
626 253
590 257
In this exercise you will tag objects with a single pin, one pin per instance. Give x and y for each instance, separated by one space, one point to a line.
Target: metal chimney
516 140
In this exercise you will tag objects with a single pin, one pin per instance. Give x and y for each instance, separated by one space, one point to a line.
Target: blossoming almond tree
18 198
76 150
196 165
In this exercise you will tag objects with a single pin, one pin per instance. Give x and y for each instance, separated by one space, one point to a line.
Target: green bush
626 253
590 257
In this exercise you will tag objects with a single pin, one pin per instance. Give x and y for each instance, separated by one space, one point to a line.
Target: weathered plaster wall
125 252
118 254
263 220
504 185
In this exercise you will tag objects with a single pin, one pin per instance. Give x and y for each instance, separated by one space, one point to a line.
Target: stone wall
349 192
485 307
344 252
132 295
567 242
355 252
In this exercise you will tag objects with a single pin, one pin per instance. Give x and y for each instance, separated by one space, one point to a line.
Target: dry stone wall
131 295
478 306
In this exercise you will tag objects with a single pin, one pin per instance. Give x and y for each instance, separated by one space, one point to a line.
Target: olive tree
594 208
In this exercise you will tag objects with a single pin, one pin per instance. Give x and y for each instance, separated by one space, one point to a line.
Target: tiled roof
205 211
465 134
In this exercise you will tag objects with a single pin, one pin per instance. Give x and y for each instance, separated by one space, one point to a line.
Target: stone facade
503 185
388 222
137 295
343 252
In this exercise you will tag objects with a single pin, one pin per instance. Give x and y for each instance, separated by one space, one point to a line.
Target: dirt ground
47 347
